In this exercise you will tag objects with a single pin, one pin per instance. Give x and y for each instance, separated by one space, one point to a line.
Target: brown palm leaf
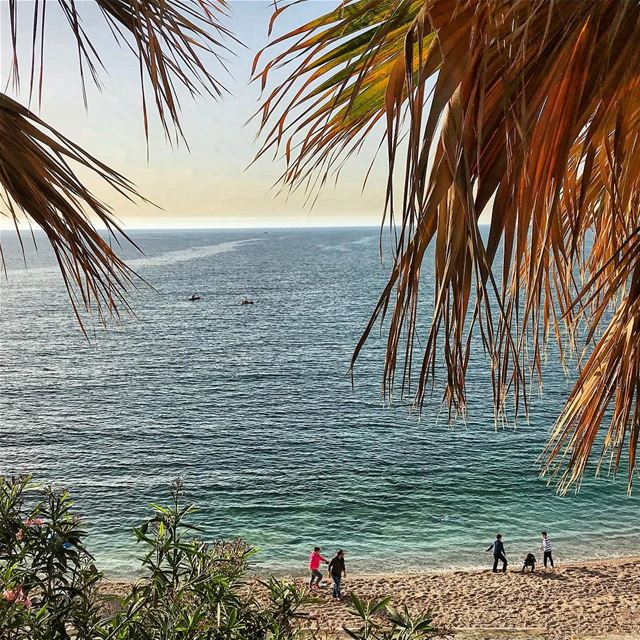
528 110
37 178
170 41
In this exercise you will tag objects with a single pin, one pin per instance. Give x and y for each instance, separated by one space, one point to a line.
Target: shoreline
300 569
589 599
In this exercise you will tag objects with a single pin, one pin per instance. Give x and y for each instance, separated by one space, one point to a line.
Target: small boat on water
246 301
194 297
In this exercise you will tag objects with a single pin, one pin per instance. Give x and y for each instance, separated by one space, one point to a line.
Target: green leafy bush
47 578
196 591
381 621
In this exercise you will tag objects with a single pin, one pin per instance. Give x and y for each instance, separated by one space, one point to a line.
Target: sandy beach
593 599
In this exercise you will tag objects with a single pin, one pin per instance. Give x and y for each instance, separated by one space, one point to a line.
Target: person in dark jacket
498 554
529 561
337 570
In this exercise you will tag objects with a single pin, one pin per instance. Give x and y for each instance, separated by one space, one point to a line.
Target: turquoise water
253 407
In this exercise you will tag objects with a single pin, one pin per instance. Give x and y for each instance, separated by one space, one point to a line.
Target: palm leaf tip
528 110
174 42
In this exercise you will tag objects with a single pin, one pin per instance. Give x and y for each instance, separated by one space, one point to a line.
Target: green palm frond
335 94
524 109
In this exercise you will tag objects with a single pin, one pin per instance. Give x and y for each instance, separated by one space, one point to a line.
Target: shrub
196 591
47 579
381 621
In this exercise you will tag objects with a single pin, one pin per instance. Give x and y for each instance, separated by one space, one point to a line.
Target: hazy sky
210 185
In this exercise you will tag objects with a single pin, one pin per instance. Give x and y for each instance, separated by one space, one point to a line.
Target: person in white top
546 549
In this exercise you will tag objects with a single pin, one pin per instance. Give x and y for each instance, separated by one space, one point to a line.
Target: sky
210 184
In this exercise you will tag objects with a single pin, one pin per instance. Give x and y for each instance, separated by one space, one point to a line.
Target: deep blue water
253 407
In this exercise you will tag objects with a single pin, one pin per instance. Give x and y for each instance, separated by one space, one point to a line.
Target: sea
253 406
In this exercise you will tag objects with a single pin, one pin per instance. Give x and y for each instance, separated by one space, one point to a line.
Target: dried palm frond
169 41
37 178
526 109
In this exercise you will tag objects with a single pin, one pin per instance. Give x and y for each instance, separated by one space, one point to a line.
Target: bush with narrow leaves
196 591
379 620
48 583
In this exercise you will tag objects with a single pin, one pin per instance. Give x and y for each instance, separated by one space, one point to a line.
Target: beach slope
590 599
594 599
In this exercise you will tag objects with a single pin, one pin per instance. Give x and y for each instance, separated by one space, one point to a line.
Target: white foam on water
191 253
162 259
364 240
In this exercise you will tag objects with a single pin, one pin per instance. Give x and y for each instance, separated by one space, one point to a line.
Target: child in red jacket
314 565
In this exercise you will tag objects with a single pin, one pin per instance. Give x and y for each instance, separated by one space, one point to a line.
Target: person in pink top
314 565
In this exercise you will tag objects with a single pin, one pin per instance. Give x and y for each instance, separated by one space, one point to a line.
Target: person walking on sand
314 567
337 570
546 549
498 554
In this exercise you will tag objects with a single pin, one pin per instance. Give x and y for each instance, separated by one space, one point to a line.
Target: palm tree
171 42
527 110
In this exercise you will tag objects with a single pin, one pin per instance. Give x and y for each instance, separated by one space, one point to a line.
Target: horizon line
284 227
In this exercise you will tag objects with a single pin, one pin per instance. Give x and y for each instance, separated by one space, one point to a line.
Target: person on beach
337 570
546 549
498 554
314 567
529 561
